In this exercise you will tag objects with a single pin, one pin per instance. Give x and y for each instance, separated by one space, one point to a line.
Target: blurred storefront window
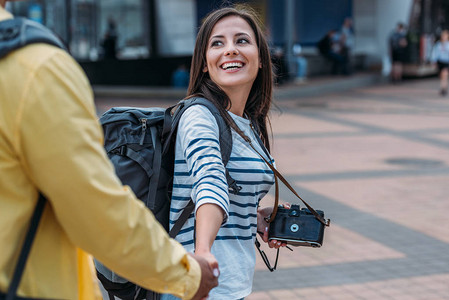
55 18
92 21
176 30
83 24
132 26
83 42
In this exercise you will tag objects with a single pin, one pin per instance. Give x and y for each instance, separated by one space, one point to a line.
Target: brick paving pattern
376 160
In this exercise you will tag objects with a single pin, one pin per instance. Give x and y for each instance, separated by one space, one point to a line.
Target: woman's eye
216 43
243 41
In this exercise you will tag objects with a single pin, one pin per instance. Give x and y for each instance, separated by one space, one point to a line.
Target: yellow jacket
50 141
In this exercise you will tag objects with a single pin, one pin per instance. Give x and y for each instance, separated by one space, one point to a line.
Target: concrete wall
374 20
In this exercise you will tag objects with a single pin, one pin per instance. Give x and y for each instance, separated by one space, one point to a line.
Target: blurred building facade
154 37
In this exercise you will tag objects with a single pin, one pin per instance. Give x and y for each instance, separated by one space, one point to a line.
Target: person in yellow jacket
51 142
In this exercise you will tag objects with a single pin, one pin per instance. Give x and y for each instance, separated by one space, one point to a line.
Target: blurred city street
375 158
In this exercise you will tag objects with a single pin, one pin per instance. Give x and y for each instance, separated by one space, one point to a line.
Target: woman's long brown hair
259 99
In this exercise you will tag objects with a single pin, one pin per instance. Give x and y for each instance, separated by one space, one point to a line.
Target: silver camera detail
294 228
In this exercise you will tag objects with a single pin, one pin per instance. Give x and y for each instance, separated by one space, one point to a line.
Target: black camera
297 227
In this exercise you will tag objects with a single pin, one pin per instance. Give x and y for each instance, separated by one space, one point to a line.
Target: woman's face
444 36
232 54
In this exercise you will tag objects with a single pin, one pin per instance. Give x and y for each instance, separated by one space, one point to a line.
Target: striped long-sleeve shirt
200 176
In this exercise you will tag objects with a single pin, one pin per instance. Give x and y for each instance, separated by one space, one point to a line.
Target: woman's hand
263 226
210 258
209 275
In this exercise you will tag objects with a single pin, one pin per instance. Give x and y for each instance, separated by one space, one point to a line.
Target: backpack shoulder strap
26 247
19 32
225 135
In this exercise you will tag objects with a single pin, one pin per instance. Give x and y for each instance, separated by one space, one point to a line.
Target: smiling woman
231 67
233 60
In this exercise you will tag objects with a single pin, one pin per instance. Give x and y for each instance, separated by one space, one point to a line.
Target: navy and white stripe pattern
200 175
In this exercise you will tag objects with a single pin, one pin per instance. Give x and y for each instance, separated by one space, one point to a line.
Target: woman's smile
232 65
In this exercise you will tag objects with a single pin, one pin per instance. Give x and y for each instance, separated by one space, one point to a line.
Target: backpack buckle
122 150
9 33
234 188
232 184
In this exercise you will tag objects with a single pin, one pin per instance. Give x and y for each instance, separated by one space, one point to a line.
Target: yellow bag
87 279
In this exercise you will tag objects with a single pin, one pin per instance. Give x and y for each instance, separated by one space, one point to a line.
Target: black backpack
140 143
19 32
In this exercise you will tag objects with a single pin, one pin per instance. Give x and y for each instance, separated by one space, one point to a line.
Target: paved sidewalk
376 160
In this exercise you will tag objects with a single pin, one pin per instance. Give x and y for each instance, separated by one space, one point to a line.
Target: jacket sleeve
62 145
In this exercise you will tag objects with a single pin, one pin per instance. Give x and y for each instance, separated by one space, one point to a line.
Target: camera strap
284 181
265 258
276 199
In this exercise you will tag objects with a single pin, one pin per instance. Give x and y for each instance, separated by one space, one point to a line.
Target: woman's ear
205 69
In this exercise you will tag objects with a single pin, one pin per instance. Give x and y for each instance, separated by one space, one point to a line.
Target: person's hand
209 275
209 257
262 226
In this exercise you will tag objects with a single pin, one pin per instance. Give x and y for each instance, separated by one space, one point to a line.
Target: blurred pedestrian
281 75
347 31
398 47
440 56
180 77
109 43
348 41
325 43
331 47
301 64
231 67
51 143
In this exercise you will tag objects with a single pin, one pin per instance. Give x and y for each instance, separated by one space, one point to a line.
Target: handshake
209 274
